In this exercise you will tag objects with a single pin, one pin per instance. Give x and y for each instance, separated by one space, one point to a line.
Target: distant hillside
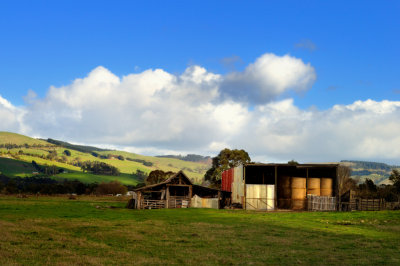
17 153
378 172
81 148
189 158
17 139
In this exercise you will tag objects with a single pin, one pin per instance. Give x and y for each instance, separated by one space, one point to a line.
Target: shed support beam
190 195
306 181
167 198
276 188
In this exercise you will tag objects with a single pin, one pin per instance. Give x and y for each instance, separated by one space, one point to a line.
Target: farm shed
176 192
285 186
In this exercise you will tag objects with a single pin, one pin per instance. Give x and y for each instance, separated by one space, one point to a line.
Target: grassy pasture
192 169
12 167
58 231
125 179
14 138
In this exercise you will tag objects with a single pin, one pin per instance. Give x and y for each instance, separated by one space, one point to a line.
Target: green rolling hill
18 151
14 138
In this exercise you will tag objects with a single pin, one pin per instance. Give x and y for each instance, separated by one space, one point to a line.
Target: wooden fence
364 205
152 204
370 204
321 203
178 202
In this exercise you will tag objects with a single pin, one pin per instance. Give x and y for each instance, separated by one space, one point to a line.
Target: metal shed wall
238 185
260 197
198 202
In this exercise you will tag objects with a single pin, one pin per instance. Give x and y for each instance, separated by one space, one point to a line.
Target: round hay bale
326 192
314 191
326 187
298 193
299 204
314 186
314 183
298 182
326 183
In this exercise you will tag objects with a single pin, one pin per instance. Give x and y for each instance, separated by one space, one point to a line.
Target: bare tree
345 183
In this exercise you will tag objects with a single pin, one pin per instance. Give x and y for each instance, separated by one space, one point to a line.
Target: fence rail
371 204
364 205
178 202
152 204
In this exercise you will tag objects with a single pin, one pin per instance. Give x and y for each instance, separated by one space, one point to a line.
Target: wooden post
306 181
139 199
275 188
219 199
244 188
190 195
167 198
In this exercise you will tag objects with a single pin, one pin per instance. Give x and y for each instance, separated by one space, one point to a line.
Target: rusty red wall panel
223 180
227 178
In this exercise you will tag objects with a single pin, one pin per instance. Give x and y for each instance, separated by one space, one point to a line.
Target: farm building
177 192
284 186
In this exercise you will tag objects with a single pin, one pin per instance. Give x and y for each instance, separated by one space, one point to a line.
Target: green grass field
14 138
193 170
87 231
12 167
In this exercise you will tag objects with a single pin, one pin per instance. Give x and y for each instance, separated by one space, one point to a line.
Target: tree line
10 146
99 168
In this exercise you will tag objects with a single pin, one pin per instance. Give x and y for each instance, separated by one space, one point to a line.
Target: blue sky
353 47
48 43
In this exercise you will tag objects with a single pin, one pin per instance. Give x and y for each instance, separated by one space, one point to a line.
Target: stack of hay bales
299 191
326 187
314 186
292 191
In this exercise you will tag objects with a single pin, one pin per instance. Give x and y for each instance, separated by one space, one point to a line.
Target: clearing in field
100 231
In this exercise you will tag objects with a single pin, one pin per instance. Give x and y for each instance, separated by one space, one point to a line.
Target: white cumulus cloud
268 77
157 112
10 117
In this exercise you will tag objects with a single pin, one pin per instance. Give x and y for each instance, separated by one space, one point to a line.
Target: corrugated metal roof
296 165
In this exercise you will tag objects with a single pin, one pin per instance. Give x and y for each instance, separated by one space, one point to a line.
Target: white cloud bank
10 116
202 112
268 77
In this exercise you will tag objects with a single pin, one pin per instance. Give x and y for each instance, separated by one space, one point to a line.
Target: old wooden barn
282 186
177 192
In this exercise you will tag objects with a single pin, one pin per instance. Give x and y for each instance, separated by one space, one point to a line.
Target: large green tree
157 176
224 160
395 178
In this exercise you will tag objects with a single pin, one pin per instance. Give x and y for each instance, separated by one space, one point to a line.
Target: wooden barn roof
169 180
186 180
